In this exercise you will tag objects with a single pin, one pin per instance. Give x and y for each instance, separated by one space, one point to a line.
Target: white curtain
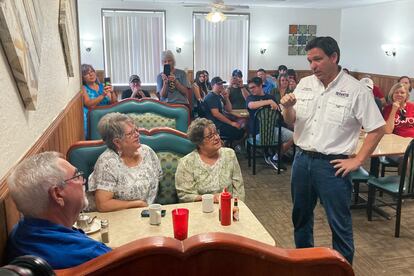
133 41
221 47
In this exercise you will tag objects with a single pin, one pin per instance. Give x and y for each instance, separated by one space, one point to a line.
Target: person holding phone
237 91
94 93
135 90
172 83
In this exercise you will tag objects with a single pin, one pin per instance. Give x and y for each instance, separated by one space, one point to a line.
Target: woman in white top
126 175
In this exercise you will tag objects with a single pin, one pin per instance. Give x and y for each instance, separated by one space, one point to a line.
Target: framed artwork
299 36
20 35
67 31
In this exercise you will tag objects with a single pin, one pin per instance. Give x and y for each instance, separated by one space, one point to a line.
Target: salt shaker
105 231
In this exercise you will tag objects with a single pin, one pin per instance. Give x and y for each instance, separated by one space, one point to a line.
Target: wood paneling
65 130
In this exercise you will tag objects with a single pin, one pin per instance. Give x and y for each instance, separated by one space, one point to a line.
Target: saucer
95 226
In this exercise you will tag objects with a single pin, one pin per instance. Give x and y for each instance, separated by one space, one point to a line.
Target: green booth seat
148 113
169 144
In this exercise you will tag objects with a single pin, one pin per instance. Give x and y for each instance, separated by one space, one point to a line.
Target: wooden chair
398 187
149 113
212 254
265 120
169 144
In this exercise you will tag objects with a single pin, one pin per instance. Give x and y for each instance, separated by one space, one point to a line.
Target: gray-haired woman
126 175
172 88
208 169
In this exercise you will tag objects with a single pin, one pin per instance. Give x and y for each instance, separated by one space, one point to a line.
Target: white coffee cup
207 203
155 214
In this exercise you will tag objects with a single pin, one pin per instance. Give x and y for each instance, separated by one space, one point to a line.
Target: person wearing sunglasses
127 173
209 168
49 192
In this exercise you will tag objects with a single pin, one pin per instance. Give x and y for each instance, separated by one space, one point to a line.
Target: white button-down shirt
328 120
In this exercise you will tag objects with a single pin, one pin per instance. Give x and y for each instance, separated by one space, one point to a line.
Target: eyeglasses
212 135
132 133
79 175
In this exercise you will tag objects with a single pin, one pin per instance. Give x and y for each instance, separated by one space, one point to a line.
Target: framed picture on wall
20 35
67 31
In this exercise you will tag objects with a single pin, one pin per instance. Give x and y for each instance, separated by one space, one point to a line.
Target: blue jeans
313 178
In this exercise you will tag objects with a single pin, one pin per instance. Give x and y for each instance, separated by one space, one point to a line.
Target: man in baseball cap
237 90
135 91
216 102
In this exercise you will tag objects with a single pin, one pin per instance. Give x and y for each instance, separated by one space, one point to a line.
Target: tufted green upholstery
171 112
169 144
150 120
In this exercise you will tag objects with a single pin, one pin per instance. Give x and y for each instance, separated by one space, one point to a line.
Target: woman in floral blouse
126 175
208 169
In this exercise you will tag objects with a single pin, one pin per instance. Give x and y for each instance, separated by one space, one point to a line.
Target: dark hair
403 77
261 70
256 80
208 83
200 84
282 67
327 44
292 72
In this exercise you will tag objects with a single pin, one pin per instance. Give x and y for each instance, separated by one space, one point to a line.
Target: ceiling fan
217 7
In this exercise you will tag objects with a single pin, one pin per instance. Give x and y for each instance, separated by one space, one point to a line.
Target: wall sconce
389 50
262 50
178 50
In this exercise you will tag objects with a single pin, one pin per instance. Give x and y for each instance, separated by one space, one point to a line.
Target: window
221 47
133 41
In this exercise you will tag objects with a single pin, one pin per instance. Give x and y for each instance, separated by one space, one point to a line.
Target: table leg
374 171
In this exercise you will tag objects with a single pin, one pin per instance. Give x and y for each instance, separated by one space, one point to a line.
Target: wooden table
240 113
390 145
128 225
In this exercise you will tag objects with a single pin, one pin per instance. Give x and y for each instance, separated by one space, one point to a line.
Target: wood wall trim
64 131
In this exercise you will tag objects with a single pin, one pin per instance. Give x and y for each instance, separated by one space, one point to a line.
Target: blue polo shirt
60 246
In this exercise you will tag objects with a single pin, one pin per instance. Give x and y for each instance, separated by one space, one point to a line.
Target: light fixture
179 42
215 16
262 50
389 50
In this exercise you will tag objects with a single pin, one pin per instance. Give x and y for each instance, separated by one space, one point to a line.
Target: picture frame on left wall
20 35
67 31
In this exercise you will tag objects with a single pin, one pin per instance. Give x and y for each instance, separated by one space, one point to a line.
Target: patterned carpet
377 251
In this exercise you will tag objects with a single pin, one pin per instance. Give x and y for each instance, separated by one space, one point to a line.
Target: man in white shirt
328 109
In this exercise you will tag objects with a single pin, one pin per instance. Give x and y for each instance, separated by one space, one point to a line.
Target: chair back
265 120
407 171
212 254
169 145
83 156
148 113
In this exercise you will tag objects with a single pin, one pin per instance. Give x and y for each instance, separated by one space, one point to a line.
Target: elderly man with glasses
49 192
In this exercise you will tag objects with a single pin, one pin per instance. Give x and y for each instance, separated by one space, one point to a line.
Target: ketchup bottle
225 207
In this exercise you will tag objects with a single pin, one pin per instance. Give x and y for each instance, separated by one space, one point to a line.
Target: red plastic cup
180 223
